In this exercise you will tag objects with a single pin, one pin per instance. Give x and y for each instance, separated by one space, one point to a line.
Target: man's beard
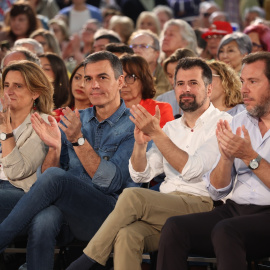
190 106
261 109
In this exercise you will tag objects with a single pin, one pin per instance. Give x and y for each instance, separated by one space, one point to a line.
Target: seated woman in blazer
25 89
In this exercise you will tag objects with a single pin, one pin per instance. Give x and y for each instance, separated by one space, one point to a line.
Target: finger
227 126
238 131
157 112
62 127
77 113
246 133
143 110
65 120
51 120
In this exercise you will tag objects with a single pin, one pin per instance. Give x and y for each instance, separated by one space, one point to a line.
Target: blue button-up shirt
249 189
113 141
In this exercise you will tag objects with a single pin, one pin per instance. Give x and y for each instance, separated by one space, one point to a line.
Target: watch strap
8 135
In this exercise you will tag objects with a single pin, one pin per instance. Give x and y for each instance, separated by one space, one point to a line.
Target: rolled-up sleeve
202 161
217 194
154 166
112 174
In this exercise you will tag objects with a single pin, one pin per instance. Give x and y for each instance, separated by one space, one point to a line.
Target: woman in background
226 95
47 40
22 22
54 67
77 96
233 48
139 87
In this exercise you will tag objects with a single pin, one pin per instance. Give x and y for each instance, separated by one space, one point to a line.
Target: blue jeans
45 225
83 206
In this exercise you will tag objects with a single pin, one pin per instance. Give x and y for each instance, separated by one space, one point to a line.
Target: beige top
21 164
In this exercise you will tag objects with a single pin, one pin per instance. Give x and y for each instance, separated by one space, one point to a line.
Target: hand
49 133
144 121
140 137
72 124
233 145
5 125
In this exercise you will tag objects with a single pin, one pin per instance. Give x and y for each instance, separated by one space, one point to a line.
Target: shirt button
187 146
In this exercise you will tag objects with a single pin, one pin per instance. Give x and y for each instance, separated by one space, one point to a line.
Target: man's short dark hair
118 48
191 62
105 55
259 56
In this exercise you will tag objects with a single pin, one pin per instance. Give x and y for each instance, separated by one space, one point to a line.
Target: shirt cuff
104 174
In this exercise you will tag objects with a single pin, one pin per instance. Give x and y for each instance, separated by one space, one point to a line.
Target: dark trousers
231 233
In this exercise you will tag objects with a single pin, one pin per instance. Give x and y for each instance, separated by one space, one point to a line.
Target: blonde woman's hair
36 82
230 82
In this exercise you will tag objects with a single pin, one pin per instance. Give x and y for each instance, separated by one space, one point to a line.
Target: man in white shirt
239 229
179 150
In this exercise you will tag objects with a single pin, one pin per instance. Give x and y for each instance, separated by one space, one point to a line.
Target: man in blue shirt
239 229
86 167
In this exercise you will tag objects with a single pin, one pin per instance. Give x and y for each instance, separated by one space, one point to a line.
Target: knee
50 176
223 232
47 223
170 230
129 239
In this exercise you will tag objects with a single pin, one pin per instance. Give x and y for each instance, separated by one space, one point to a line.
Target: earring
34 105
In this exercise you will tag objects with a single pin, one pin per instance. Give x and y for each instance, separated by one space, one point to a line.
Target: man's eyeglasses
206 15
141 46
130 79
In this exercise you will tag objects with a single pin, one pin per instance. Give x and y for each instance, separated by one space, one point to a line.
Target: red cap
218 28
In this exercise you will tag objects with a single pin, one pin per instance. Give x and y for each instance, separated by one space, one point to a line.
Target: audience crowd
100 98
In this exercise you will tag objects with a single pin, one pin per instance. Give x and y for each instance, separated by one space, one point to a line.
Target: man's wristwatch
80 142
254 163
4 136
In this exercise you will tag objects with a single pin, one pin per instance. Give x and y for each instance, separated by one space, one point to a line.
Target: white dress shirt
196 141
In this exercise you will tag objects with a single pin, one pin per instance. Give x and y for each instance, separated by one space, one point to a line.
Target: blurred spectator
233 48
205 10
148 20
260 37
47 40
177 34
164 14
80 46
78 13
213 36
104 36
119 49
218 16
251 13
47 8
22 22
30 44
235 9
133 8
186 10
123 26
107 13
61 32
146 44
17 54
54 67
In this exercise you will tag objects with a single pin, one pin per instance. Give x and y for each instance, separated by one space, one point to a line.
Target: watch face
3 136
253 164
80 141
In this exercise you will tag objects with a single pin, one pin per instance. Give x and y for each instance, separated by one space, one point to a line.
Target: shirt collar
202 118
113 119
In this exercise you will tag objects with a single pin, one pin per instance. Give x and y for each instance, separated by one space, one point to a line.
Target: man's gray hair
185 30
38 49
